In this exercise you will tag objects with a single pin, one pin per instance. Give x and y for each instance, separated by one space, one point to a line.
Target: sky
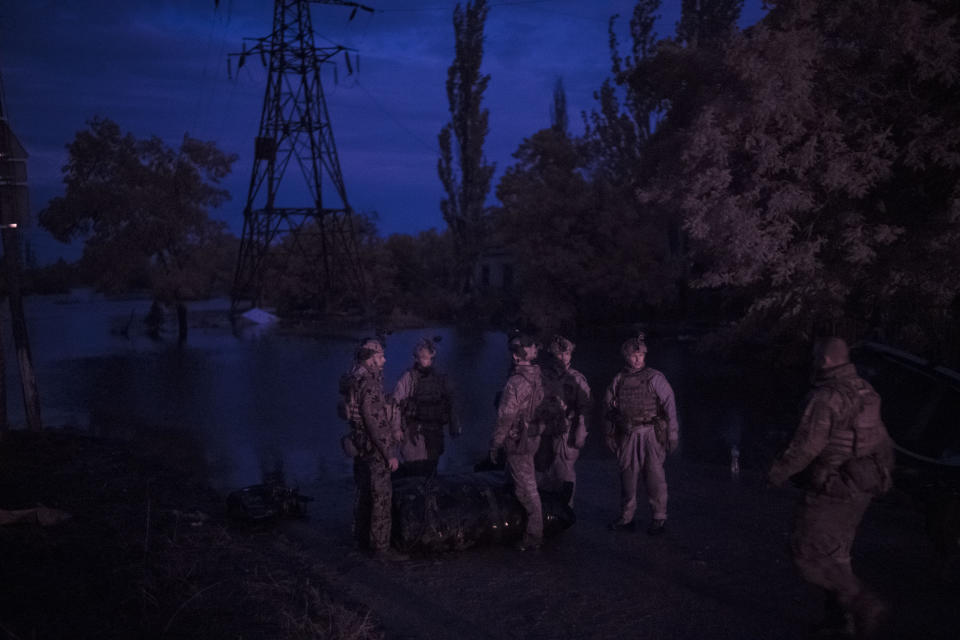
159 67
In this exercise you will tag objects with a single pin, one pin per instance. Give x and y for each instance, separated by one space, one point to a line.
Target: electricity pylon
317 239
14 211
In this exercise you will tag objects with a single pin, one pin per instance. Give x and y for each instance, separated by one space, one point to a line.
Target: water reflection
270 399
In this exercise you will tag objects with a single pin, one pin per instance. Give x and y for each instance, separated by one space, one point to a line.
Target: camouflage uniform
372 436
830 446
633 403
426 402
519 435
568 434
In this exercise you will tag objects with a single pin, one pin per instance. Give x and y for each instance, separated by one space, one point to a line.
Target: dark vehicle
921 408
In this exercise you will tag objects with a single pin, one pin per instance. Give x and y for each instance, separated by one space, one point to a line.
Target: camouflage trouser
562 468
823 531
371 509
520 467
640 453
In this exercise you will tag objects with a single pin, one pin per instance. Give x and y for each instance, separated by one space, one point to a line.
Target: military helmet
424 344
519 344
559 344
368 347
635 344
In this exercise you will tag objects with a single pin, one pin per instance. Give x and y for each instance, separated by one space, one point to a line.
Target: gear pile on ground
450 513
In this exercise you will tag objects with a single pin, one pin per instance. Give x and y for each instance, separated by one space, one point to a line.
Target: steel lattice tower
295 128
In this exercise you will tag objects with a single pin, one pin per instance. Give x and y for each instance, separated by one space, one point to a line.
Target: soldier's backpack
871 462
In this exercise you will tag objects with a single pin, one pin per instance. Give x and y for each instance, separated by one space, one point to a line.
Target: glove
611 443
775 479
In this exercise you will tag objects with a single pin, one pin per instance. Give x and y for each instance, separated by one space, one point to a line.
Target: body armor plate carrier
636 399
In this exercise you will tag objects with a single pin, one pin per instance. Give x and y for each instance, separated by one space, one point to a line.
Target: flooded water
256 401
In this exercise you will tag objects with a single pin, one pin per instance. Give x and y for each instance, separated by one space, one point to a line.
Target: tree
586 257
822 180
141 209
462 167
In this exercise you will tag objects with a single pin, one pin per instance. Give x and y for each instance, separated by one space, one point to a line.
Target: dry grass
148 553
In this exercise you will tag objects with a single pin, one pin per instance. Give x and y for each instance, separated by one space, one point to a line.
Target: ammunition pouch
660 431
867 475
349 448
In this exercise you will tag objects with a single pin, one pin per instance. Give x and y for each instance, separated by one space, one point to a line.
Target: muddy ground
149 553
720 572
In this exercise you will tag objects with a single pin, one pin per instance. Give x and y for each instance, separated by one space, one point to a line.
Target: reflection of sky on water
255 401
259 400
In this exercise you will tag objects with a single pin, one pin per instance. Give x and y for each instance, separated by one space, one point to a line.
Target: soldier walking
641 429
426 406
565 429
374 440
518 433
843 448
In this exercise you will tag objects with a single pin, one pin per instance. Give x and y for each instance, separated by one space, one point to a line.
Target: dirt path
721 571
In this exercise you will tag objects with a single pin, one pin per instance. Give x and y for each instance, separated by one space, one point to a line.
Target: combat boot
657 527
871 616
389 555
529 543
622 526
836 623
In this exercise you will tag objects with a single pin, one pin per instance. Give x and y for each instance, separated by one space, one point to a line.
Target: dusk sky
159 67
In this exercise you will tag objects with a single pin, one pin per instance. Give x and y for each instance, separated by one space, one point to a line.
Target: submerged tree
141 209
463 168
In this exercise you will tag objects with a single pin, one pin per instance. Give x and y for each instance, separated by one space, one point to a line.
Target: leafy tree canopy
141 209
823 175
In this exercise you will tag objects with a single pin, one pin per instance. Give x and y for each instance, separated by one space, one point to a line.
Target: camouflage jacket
518 404
820 442
573 390
374 412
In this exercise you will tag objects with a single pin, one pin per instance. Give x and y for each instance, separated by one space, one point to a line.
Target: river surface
264 398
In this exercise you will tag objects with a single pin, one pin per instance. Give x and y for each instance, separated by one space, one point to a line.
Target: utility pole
295 128
14 208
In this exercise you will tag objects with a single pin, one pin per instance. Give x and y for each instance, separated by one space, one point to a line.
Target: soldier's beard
422 369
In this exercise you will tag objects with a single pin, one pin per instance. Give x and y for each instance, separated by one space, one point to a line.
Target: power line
410 132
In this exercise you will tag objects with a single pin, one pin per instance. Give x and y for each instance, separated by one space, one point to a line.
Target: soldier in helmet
425 400
373 439
641 429
843 448
518 433
565 430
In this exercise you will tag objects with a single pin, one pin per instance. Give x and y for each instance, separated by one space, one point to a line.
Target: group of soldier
840 454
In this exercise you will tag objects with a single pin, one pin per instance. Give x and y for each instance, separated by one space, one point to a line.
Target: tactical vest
349 405
858 447
429 401
636 398
558 396
861 431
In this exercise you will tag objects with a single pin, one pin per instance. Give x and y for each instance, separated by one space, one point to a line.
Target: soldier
373 441
641 429
565 431
425 402
518 433
843 448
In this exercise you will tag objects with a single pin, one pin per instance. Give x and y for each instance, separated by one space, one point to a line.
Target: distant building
495 269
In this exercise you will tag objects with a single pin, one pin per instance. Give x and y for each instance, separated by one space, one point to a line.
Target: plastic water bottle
734 462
